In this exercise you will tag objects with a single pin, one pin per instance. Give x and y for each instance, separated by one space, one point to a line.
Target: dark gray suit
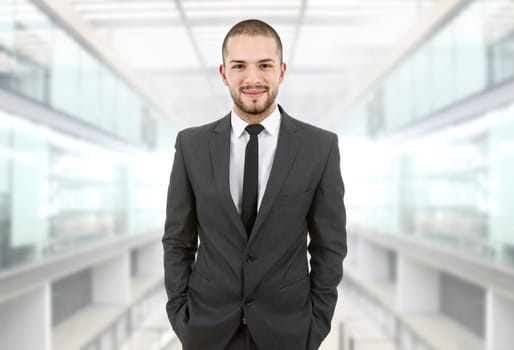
263 281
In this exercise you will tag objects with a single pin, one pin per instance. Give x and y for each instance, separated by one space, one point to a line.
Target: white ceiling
175 46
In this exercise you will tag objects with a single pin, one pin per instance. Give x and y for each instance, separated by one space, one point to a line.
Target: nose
253 76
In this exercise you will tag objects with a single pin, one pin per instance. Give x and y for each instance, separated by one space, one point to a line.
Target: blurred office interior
420 92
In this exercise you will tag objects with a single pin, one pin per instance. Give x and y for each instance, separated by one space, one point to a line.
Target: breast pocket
291 196
290 203
292 211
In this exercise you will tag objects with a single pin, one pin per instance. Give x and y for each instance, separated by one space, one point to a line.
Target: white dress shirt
268 139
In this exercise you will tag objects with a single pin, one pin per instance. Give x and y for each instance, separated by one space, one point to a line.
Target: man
251 196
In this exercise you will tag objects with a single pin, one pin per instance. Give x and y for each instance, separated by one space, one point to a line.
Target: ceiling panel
176 46
156 48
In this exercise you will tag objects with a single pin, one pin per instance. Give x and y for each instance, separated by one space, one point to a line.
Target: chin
256 111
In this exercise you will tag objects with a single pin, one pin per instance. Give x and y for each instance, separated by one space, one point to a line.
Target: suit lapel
220 151
285 154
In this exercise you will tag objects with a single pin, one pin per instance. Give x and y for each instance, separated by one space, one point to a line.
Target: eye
266 66
237 66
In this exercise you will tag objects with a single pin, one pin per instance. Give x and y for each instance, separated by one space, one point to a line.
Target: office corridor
419 92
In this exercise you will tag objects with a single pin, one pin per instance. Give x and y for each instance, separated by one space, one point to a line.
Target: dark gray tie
251 178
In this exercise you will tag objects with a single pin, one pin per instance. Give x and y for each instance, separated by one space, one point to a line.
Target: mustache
253 87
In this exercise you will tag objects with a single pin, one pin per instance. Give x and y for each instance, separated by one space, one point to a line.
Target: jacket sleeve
327 248
180 240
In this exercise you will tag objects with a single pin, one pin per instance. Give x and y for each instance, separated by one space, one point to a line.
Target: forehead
251 45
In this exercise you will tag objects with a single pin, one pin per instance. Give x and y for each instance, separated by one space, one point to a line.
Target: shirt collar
271 123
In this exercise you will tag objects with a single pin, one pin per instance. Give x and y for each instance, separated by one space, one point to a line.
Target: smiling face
252 70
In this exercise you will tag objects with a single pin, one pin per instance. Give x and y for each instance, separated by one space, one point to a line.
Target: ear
283 69
223 74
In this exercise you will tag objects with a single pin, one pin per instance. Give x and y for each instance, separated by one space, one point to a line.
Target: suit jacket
216 278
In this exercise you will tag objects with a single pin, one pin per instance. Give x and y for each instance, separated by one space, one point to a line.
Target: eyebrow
260 61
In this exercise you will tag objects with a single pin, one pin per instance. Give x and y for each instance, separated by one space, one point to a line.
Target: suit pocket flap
294 281
295 194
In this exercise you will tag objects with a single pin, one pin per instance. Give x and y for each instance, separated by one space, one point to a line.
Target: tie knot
254 129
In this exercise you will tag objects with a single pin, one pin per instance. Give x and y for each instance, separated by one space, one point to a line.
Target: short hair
252 27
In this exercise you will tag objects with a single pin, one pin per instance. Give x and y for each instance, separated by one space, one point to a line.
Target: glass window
501 160
29 186
442 68
406 92
83 195
7 58
470 52
39 59
33 50
446 181
107 100
498 26
53 196
165 133
123 112
5 190
453 186
64 80
129 115
398 96
422 82
502 53
390 85
89 88
7 24
352 122
4 157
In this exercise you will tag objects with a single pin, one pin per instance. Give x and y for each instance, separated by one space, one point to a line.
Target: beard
254 107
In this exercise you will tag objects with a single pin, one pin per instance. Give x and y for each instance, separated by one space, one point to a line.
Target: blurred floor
352 330
154 333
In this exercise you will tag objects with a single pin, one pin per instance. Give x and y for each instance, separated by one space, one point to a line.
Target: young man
251 187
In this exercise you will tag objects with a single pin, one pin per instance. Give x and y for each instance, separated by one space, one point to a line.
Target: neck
255 118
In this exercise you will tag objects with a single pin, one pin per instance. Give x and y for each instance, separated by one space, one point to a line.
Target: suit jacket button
244 321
